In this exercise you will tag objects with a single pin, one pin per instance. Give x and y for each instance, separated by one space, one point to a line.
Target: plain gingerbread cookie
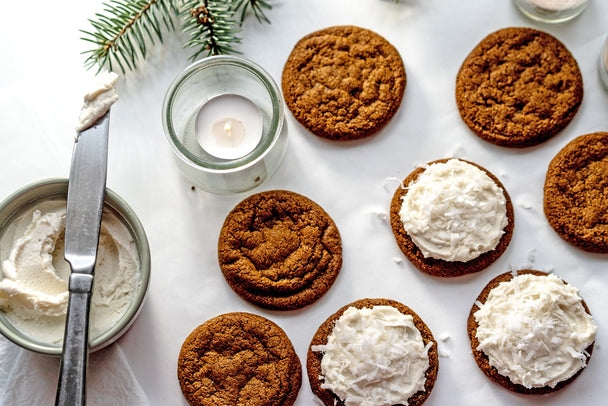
343 82
279 250
576 192
239 359
518 87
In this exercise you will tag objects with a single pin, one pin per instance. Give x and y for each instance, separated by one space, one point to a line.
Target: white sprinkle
388 182
524 205
398 260
444 336
381 215
456 151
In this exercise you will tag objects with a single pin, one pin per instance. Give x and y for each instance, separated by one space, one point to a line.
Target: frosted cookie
279 250
373 352
239 359
343 82
518 87
576 192
451 217
531 333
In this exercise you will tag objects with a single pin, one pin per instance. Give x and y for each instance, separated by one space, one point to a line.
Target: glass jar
208 79
603 65
551 11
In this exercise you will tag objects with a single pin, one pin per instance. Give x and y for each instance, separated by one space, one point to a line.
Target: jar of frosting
34 274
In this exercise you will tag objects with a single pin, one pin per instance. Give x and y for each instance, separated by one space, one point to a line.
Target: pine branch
125 28
211 27
121 34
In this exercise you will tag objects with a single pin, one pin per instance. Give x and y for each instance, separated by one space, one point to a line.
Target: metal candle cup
219 144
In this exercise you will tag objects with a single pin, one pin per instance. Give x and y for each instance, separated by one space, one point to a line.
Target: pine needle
211 27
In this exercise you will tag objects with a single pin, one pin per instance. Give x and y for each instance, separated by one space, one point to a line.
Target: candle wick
228 128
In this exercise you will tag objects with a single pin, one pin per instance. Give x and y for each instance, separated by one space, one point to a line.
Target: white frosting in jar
374 357
34 286
454 211
534 330
98 100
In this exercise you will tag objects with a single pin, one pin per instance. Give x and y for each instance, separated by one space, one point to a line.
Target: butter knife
86 192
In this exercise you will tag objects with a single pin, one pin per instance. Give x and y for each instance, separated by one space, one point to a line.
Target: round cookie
239 359
576 192
482 359
439 267
518 87
313 360
279 250
343 82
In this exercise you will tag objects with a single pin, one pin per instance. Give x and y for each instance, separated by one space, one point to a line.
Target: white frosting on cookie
454 211
374 357
534 330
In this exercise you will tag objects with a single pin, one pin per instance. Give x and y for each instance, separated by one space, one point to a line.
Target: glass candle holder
551 11
603 65
224 119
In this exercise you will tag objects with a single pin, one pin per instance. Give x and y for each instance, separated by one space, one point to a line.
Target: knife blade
86 192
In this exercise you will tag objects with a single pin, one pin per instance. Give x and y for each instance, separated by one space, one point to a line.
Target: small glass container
551 11
52 193
207 80
603 65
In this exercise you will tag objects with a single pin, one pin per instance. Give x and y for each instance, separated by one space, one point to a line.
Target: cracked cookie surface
576 192
518 87
239 359
343 82
279 250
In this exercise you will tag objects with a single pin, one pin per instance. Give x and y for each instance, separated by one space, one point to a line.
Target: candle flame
228 128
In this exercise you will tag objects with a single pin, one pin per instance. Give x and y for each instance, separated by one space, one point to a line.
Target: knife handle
71 389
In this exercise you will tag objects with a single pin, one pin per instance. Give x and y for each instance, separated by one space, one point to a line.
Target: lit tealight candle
228 126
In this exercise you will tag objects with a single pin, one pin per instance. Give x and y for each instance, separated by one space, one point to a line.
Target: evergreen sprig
211 27
124 30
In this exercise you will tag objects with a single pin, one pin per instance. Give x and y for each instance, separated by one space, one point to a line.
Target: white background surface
41 79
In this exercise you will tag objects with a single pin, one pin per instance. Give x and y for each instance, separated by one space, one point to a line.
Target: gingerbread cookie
402 329
343 82
279 250
239 359
451 217
531 333
576 192
518 87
